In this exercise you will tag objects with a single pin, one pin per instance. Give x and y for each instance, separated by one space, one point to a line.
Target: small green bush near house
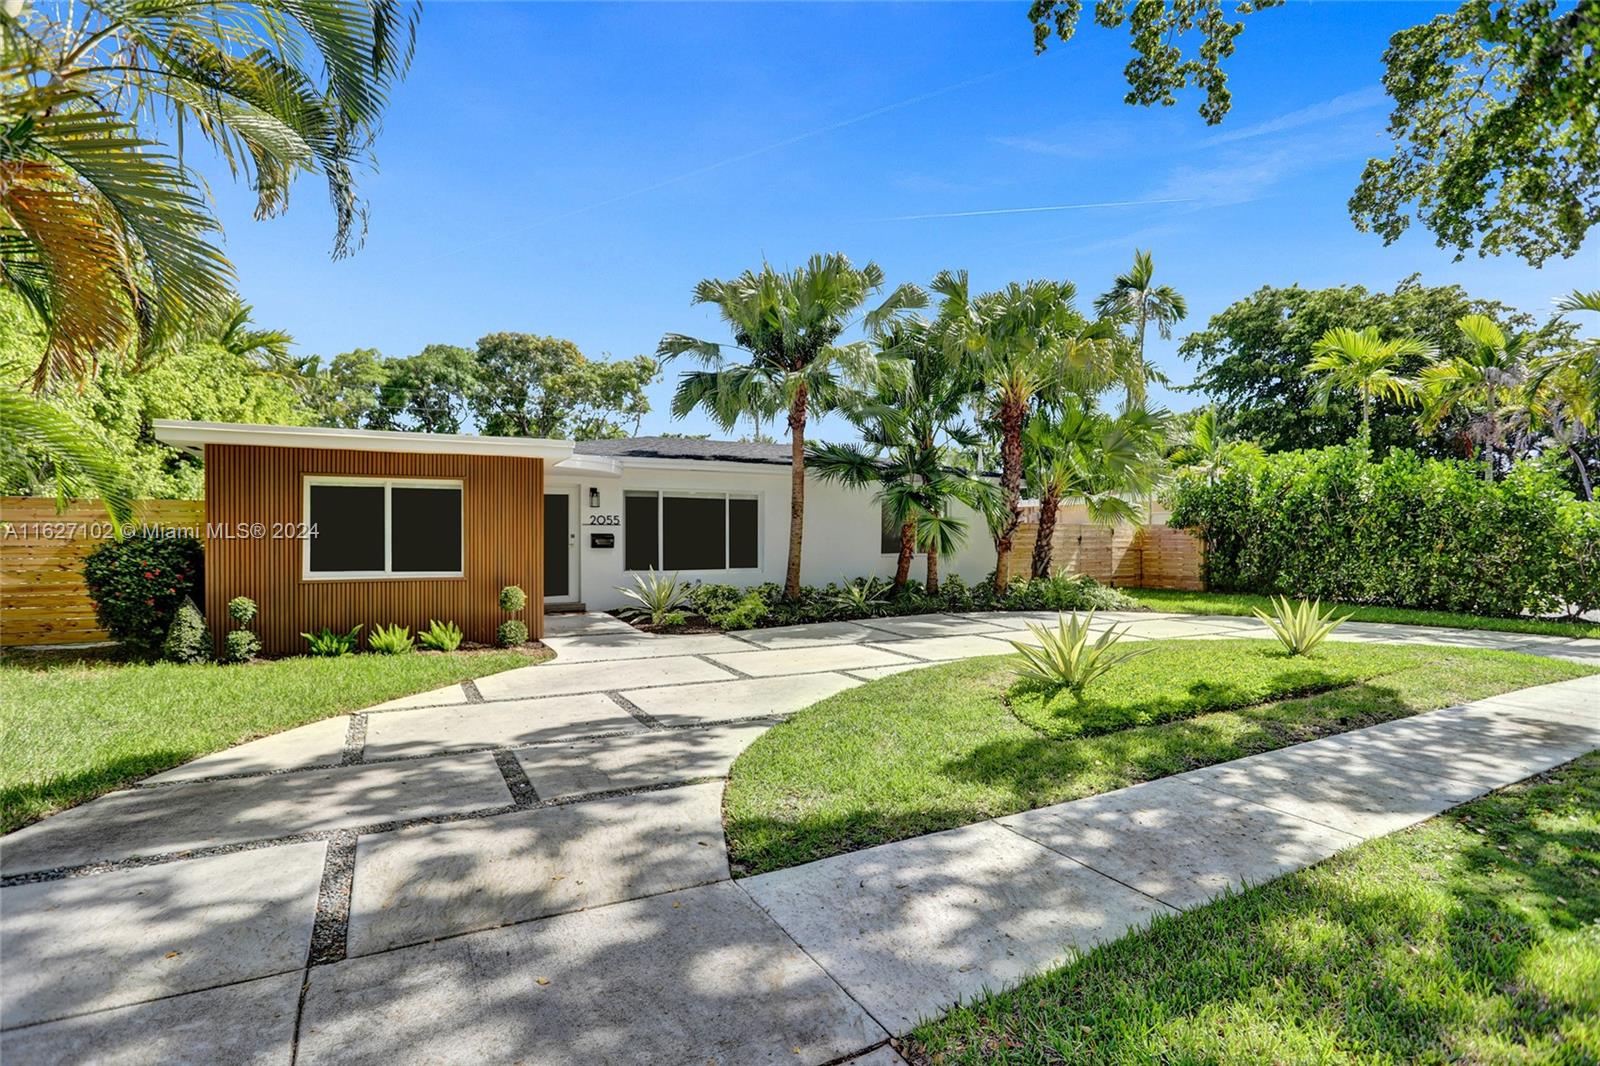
512 633
390 640
188 639
240 646
440 636
137 584
1401 531
512 598
325 642
242 609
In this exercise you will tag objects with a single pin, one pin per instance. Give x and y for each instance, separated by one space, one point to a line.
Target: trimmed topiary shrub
1402 531
240 646
513 598
138 583
242 609
512 633
188 640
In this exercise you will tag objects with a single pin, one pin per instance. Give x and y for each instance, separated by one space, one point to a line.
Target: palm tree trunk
933 570
1583 471
908 548
797 491
1043 549
1011 415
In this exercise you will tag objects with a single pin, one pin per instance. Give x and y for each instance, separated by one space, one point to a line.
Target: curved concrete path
531 868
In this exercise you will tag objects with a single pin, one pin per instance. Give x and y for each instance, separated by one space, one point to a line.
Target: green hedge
1401 531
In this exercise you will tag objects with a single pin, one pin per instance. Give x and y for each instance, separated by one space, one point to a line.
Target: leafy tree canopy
531 386
1496 119
1252 359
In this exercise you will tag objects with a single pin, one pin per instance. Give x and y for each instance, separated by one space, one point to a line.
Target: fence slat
1153 556
42 596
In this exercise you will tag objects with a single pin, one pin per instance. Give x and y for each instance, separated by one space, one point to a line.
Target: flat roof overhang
192 437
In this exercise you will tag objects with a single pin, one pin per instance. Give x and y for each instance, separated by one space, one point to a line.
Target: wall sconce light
594 496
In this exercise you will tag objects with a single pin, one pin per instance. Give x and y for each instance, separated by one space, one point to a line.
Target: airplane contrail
1034 210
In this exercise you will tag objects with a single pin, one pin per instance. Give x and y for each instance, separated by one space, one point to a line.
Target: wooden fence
1153 556
42 596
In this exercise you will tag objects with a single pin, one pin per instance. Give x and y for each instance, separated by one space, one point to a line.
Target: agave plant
1066 658
1300 627
860 599
661 598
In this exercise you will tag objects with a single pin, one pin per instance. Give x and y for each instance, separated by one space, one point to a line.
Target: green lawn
1474 938
1242 603
938 747
1180 679
74 730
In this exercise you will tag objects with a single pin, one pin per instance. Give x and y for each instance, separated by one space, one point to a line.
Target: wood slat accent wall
503 509
42 596
1153 556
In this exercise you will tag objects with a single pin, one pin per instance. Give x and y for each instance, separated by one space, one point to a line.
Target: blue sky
574 169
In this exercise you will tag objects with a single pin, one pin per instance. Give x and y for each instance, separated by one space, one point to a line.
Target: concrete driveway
531 868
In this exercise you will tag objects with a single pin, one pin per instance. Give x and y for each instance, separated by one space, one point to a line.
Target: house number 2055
605 520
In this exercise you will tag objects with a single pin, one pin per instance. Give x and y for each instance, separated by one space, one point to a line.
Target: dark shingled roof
726 451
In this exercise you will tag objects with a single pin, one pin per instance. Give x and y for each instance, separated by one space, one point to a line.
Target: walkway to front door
531 868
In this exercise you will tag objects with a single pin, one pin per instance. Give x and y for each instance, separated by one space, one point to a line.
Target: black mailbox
602 540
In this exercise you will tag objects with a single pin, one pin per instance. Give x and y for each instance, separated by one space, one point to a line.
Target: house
339 527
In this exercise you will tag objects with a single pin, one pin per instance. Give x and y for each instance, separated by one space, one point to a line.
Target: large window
690 531
372 527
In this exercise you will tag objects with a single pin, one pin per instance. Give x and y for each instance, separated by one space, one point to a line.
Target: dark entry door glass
557 581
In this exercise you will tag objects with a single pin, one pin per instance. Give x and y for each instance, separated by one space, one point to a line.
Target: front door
560 547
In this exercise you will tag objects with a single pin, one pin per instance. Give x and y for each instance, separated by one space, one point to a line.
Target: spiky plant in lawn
1066 657
1300 627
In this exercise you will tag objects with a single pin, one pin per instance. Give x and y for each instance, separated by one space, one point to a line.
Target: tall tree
1496 119
107 237
912 434
1135 297
430 392
531 386
1252 358
1206 445
1479 382
1360 361
1074 451
1017 344
787 329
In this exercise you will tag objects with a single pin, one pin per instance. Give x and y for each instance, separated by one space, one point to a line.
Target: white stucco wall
841 538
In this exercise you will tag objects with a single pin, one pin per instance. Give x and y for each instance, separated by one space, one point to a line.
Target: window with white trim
690 531
382 527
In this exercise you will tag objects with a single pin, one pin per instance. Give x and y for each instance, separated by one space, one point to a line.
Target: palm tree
1481 381
787 326
912 435
1206 447
1135 296
1018 344
1360 361
1563 393
108 238
1075 451
49 441
235 331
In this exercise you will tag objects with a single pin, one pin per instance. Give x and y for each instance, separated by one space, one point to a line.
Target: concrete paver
639 761
913 927
154 821
779 662
872 673
437 880
248 1024
503 723
689 977
720 701
560 679
929 625
139 934
439 697
618 647
1178 842
810 635
964 646
318 744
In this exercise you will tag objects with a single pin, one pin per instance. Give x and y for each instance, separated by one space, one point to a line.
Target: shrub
710 599
512 598
1300 627
512 633
137 584
188 640
1066 658
390 640
1063 592
242 609
440 636
658 595
745 613
240 646
863 598
1402 531
325 642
